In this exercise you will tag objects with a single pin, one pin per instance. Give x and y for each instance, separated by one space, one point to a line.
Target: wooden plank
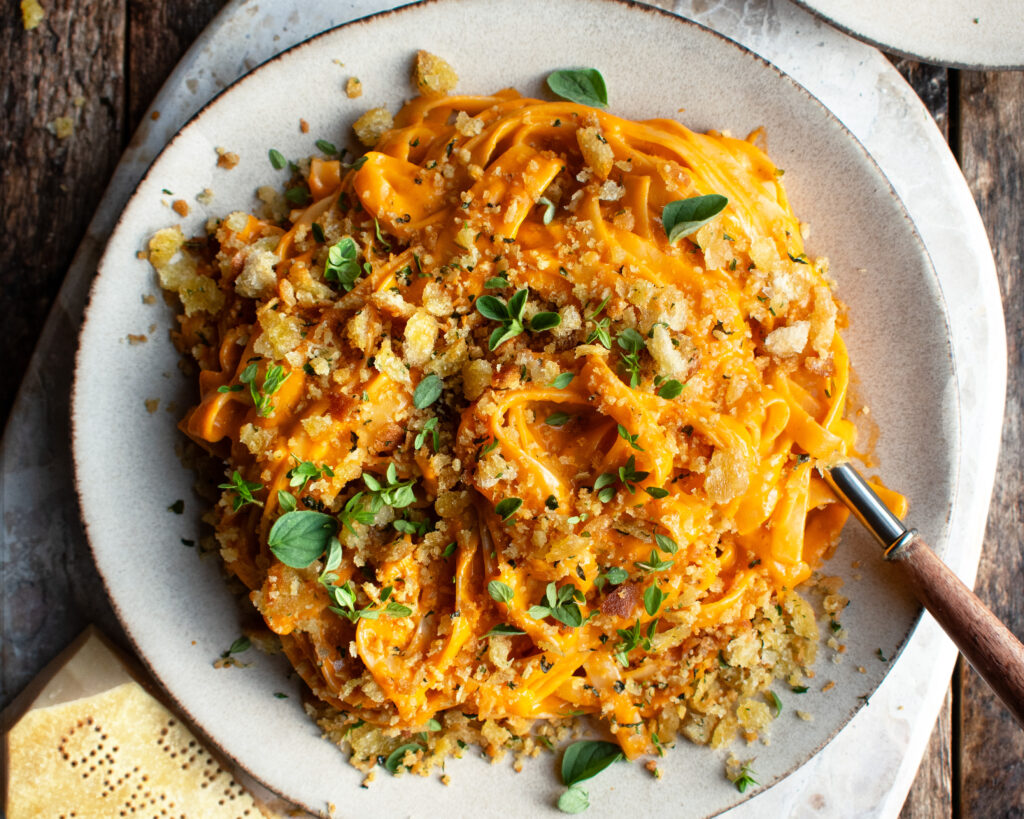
931 83
158 34
71 65
931 796
992 753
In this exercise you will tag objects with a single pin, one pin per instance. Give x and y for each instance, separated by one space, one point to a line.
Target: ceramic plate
176 607
962 33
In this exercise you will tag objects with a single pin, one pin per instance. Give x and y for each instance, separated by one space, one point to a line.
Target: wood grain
66 67
931 84
931 796
992 752
158 34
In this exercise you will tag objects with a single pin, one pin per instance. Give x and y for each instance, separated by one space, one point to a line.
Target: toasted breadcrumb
354 88
180 207
62 127
371 126
432 76
32 14
227 159
597 153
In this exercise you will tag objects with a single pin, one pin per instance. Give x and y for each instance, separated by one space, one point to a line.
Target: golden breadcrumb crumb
432 76
371 126
226 159
32 14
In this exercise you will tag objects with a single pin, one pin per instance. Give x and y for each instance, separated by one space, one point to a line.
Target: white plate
177 609
961 33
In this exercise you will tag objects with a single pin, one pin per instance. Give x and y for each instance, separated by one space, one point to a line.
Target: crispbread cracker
117 753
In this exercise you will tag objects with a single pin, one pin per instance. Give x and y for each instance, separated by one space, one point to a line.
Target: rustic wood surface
100 62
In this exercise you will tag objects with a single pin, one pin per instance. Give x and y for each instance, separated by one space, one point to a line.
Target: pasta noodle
500 447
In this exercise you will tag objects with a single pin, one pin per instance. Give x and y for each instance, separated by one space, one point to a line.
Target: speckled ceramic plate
176 607
961 33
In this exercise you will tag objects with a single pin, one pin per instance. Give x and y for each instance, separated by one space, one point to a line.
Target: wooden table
100 62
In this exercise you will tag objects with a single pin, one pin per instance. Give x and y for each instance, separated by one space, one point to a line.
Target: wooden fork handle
987 644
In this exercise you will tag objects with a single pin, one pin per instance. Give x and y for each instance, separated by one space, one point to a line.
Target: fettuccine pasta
508 441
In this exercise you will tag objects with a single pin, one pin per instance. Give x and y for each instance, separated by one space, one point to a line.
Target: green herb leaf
507 507
545 321
799 689
394 609
549 209
574 800
343 263
277 159
496 283
493 308
670 389
616 576
666 544
776 702
429 428
427 391
449 550
500 592
557 419
656 492
307 471
581 85
230 388
326 147
631 341
745 778
286 500
587 758
299 538
502 629
240 645
243 490
632 344
654 563
394 760
629 439
562 381
318 233
333 555
297 195
686 216
653 599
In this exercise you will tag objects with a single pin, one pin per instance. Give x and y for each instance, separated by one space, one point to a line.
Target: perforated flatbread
119 753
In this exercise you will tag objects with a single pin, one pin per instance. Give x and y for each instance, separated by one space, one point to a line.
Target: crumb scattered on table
62 127
32 14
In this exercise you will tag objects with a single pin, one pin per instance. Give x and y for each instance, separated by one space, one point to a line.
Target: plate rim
667 16
811 8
